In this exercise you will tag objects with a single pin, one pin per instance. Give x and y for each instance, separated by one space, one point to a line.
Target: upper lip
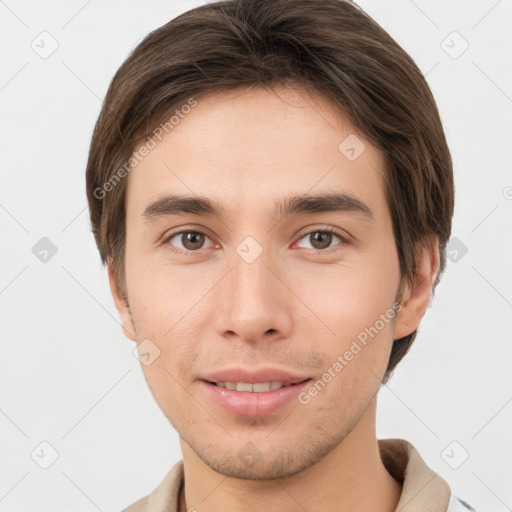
254 376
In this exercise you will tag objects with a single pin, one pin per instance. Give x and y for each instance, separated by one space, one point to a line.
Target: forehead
250 148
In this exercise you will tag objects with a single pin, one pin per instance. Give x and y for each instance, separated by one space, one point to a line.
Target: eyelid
185 229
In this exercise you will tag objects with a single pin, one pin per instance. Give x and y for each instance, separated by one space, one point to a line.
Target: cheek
355 301
161 295
166 306
350 298
167 375
360 317
169 315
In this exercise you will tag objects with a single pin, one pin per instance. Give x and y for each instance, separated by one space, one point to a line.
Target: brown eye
322 239
187 241
192 240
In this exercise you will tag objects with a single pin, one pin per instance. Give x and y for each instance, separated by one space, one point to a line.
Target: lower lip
245 403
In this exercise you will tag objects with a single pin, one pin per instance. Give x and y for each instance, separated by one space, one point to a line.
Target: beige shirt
423 490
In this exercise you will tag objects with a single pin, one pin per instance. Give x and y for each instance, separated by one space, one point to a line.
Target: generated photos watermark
343 360
144 150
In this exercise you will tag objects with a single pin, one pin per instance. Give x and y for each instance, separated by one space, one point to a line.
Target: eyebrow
176 204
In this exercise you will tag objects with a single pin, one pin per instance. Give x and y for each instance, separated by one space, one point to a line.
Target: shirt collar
423 490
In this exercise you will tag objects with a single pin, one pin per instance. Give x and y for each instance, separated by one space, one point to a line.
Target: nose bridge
252 302
251 274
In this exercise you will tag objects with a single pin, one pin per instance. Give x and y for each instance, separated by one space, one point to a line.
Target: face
268 293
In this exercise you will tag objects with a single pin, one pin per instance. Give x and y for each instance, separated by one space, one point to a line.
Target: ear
416 296
121 304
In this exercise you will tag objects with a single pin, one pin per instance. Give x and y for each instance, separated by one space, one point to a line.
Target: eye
192 241
188 241
321 239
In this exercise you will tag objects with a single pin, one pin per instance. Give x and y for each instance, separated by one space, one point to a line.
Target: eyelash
344 240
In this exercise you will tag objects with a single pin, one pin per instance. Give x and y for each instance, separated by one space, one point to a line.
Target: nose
254 304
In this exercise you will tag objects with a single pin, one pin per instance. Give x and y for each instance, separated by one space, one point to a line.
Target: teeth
258 387
261 386
243 386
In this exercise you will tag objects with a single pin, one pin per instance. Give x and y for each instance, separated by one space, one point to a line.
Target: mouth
253 399
255 387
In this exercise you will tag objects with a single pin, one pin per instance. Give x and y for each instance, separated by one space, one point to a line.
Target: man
270 185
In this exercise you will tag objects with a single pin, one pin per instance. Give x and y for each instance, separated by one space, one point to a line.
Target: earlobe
416 295
121 304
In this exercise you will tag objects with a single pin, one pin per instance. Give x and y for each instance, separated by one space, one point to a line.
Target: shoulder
139 506
422 487
165 497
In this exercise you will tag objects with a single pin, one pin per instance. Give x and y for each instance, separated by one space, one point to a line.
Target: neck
351 477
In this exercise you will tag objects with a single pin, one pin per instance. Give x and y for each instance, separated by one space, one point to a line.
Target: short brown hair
331 47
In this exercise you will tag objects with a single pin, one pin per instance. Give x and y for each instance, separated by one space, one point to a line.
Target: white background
68 375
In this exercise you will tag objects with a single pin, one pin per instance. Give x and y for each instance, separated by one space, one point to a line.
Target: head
270 185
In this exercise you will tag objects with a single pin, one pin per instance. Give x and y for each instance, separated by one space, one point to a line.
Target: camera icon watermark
454 45
352 147
44 250
249 454
44 455
456 249
455 455
249 249
146 352
45 45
